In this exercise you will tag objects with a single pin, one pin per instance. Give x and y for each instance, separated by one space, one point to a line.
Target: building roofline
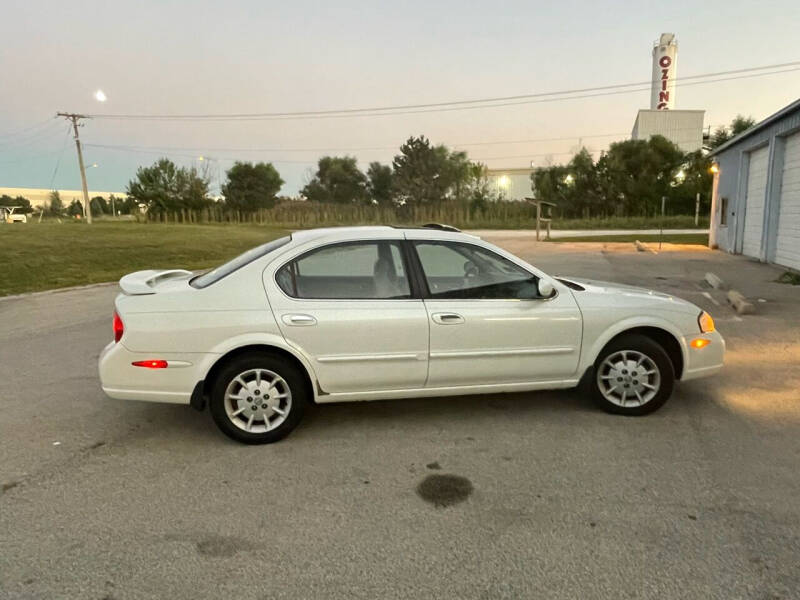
673 110
758 127
511 170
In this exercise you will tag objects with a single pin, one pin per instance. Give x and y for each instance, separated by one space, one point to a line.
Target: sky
249 56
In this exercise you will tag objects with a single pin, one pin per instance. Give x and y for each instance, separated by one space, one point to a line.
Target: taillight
119 328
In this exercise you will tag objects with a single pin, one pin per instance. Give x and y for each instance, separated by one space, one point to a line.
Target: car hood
629 292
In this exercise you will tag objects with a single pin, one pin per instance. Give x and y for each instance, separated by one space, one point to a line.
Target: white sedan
372 313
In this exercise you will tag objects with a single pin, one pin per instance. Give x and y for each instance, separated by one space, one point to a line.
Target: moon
100 96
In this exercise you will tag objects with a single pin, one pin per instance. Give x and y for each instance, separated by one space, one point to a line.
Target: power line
60 156
30 139
205 149
28 128
463 104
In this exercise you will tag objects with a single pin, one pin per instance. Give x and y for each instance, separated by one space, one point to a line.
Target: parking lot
112 499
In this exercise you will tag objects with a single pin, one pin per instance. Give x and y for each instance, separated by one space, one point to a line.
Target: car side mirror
546 289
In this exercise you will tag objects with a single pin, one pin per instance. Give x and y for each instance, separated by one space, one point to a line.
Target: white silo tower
665 65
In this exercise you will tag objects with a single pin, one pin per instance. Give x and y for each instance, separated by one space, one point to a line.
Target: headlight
705 322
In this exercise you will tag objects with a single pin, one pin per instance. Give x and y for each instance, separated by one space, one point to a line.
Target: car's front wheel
633 376
258 398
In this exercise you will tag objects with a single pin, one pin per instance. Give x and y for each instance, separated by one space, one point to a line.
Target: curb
73 288
715 281
642 247
740 303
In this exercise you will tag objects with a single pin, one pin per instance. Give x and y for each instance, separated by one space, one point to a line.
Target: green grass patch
790 277
668 222
46 256
680 238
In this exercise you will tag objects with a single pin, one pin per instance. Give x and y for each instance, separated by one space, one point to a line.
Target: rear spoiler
144 282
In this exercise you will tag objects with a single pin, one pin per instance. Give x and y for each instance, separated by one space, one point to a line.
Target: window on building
723 211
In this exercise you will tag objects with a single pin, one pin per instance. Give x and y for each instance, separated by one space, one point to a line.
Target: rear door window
352 270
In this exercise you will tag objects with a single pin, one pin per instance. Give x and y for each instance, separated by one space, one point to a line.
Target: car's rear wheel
633 376
258 398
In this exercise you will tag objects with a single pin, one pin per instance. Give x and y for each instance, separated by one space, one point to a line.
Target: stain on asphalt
434 466
9 486
212 545
218 546
692 517
444 490
95 445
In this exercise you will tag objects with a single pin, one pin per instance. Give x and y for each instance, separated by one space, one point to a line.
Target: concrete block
715 281
740 303
642 247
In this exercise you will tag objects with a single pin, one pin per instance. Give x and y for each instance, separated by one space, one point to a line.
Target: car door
349 307
488 324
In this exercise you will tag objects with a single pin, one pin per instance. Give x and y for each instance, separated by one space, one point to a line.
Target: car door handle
299 320
447 318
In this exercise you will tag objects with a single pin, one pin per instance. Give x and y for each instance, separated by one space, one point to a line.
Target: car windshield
206 279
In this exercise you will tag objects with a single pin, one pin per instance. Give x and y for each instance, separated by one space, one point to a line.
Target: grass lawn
680 238
46 256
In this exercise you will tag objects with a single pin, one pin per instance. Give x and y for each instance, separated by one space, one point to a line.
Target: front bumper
703 362
121 380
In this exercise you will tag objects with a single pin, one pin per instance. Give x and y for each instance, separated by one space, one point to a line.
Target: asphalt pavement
534 495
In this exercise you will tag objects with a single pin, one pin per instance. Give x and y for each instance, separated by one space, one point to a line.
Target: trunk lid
147 282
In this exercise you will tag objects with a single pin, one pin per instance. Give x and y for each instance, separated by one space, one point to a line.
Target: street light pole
74 118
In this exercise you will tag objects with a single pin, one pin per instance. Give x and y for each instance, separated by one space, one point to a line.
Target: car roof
377 231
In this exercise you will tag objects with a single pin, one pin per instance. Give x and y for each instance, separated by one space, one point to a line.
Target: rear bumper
175 384
706 361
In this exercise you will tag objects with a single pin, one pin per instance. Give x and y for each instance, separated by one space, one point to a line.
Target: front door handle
299 320
447 318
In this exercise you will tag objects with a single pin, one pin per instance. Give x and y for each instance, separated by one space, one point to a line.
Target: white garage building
756 199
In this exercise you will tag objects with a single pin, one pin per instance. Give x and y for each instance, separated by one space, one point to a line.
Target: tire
270 404
632 376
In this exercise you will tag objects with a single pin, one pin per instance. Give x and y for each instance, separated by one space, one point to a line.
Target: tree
75 208
696 178
166 187
99 206
338 179
636 174
21 204
551 184
251 186
424 174
380 183
723 134
56 206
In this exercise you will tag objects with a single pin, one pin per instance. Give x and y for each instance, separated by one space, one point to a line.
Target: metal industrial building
510 184
682 127
755 206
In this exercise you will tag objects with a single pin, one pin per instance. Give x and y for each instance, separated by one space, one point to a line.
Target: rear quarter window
213 276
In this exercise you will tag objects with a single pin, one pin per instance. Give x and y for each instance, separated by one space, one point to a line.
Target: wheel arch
664 338
663 333
207 383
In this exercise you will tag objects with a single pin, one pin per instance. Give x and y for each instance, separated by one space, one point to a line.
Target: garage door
754 204
787 251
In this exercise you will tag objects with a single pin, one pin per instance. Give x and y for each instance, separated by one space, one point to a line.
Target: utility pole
87 208
697 210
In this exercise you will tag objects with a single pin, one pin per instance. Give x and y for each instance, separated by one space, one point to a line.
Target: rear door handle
447 318
299 320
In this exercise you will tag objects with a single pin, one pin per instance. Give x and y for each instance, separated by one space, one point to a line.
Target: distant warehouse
510 184
755 207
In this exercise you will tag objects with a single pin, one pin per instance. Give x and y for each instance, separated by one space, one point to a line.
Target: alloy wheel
258 400
628 378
